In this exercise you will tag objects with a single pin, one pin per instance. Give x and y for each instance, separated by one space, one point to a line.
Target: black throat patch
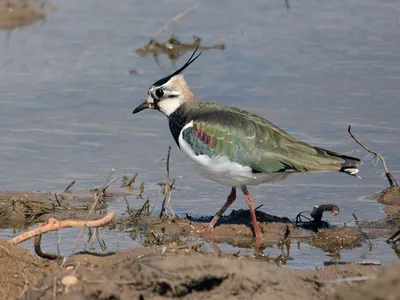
177 120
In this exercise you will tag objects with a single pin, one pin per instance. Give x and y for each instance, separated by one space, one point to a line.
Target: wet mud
173 262
187 273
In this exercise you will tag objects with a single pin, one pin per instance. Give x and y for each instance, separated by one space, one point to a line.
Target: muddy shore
173 263
161 272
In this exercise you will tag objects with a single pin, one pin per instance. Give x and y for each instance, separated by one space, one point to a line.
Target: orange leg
250 203
210 226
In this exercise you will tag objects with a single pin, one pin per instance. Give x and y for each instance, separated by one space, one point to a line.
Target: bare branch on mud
336 281
53 224
56 197
166 204
390 178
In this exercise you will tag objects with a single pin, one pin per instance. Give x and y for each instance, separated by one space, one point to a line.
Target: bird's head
169 93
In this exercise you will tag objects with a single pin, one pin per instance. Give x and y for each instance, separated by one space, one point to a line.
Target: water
67 97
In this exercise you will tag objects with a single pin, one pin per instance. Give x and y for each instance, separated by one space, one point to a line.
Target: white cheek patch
168 106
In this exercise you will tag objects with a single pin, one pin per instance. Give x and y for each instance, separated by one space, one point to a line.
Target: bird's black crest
190 60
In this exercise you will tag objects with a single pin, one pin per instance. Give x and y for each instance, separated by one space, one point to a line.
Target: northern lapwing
235 147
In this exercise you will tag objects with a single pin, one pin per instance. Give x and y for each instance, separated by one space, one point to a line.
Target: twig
258 207
167 187
141 190
53 224
390 178
355 218
176 18
140 211
100 239
393 236
128 207
361 263
109 176
96 200
286 233
108 185
56 197
348 279
69 186
130 181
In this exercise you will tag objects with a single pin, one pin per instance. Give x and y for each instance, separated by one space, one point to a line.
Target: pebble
69 280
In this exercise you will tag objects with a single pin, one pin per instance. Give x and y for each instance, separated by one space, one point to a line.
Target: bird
235 147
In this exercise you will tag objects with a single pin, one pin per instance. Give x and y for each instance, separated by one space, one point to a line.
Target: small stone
69 280
70 267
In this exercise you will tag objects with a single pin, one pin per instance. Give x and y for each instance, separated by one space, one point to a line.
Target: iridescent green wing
252 141
241 140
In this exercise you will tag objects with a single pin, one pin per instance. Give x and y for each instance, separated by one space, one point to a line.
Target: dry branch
389 176
53 224
166 204
338 281
176 18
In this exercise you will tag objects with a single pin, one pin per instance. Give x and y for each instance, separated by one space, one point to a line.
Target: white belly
224 171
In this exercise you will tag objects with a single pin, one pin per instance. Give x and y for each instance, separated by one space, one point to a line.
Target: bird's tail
348 164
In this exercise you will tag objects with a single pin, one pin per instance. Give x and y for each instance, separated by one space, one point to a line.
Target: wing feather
252 141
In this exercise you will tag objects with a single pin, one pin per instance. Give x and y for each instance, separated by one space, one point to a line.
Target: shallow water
67 97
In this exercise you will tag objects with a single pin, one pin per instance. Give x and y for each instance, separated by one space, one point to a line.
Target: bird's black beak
142 106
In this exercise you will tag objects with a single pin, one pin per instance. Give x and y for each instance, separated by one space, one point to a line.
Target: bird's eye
159 93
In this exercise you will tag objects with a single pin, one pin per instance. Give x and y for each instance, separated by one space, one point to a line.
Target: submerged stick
389 176
108 185
53 224
69 186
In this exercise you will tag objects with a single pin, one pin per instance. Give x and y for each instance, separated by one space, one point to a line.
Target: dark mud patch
159 273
